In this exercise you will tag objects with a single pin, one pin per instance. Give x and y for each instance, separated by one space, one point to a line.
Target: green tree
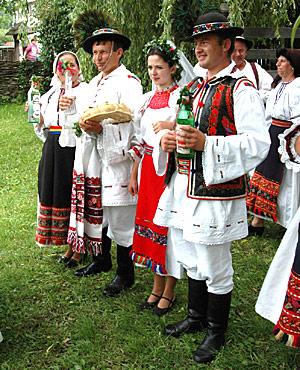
55 32
262 13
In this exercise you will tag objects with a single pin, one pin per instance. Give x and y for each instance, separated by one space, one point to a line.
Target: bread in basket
116 112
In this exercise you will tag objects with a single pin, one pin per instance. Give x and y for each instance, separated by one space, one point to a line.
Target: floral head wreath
169 51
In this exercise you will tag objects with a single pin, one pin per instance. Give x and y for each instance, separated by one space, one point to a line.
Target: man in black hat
204 202
261 79
114 84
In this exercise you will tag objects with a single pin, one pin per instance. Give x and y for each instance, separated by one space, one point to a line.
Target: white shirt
54 117
120 86
264 79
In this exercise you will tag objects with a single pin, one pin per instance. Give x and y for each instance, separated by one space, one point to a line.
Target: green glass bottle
33 98
185 116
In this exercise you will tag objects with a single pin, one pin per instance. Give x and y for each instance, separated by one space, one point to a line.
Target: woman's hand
160 125
26 106
91 126
168 142
65 102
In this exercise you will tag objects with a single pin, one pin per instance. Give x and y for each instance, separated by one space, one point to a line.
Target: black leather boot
101 262
197 307
217 321
124 278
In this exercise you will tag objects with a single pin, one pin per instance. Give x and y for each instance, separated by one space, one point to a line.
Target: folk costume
203 205
112 150
150 240
56 164
101 169
279 297
274 189
150 247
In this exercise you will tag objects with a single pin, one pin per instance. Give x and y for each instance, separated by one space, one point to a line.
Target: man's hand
91 126
65 102
190 137
160 125
168 142
133 186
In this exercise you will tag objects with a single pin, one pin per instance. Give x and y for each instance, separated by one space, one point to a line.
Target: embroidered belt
281 123
55 130
183 166
148 149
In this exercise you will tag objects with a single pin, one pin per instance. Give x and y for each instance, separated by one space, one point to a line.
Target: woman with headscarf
56 164
274 189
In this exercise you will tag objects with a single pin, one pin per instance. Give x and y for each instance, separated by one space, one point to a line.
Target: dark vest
214 116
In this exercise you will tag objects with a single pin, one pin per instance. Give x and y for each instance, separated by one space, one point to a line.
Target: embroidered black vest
214 116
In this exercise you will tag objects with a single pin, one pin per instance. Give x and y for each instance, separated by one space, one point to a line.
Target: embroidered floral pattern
215 118
207 27
86 199
150 234
160 99
288 326
262 197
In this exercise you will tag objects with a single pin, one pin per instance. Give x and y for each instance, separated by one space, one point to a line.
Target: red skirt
149 240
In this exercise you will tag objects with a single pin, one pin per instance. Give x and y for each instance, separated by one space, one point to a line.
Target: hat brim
89 42
225 32
248 43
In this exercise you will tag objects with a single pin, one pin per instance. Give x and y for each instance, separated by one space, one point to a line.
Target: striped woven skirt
54 189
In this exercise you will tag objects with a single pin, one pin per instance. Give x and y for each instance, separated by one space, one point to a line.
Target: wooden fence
265 44
9 79
7 54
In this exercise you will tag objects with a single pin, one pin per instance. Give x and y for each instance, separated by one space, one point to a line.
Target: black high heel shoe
162 311
72 263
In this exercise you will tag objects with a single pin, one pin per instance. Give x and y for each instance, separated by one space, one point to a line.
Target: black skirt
54 189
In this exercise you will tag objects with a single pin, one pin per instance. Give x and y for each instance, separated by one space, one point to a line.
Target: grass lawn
52 320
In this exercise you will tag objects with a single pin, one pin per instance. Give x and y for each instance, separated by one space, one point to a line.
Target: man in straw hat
261 79
204 202
113 84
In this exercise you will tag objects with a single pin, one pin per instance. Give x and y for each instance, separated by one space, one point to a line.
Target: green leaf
294 30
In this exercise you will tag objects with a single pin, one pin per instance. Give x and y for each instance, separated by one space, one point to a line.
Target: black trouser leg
124 278
104 259
125 267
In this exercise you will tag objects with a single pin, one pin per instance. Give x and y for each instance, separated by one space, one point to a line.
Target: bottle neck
185 107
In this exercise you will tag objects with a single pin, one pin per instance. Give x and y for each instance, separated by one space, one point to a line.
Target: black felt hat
215 23
106 34
247 42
